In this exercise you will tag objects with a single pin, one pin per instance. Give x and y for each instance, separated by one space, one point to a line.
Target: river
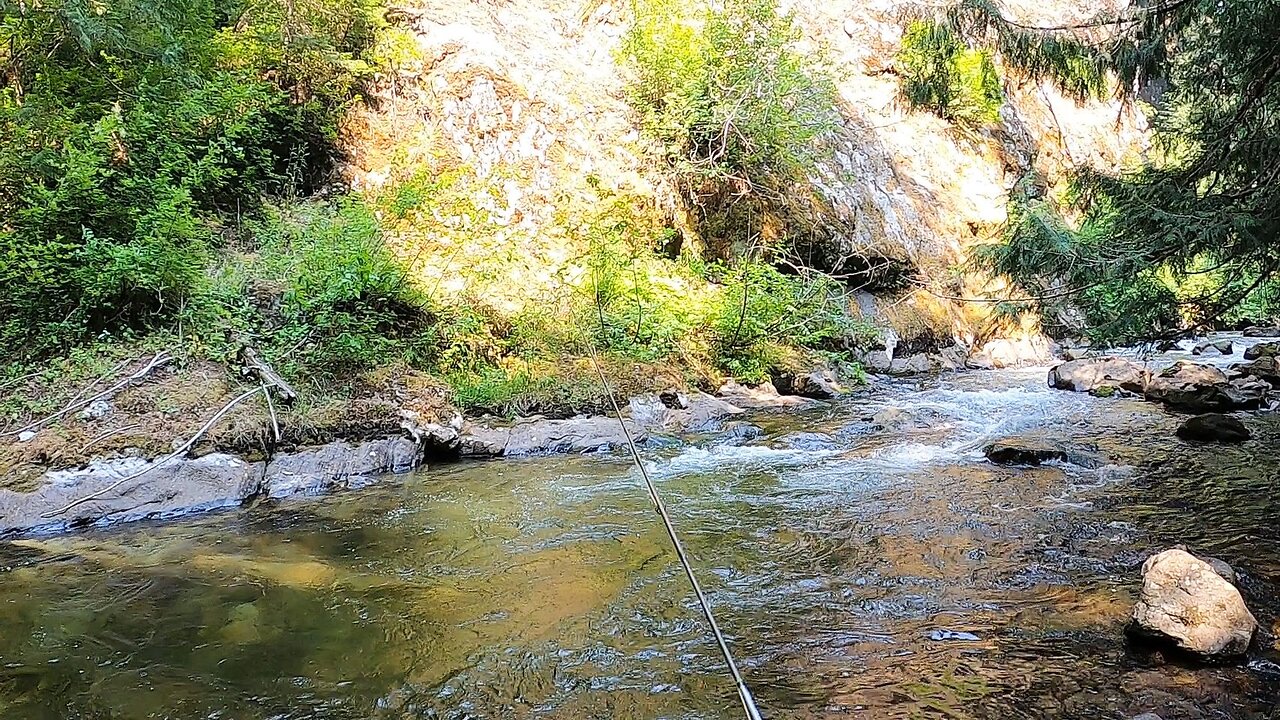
859 572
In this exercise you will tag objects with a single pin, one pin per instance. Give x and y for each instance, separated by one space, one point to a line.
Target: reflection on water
885 574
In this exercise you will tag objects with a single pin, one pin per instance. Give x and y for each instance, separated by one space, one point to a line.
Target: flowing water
888 573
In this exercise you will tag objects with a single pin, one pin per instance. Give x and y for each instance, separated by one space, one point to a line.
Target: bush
127 135
941 74
735 106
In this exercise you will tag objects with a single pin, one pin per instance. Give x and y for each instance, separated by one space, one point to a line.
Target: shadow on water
859 572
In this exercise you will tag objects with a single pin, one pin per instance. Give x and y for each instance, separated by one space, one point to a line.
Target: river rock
163 490
584 434
1184 602
1191 387
918 364
1006 353
1265 368
818 384
1036 451
1214 427
482 441
877 361
812 441
1213 347
1098 373
96 410
1264 349
1256 331
339 465
694 412
762 397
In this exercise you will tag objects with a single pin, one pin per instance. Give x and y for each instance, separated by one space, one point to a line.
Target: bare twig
108 434
162 461
275 424
161 358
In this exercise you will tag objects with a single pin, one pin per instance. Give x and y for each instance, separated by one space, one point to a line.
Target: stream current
858 571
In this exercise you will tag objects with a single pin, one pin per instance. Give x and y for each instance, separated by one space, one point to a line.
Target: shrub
941 74
735 106
129 130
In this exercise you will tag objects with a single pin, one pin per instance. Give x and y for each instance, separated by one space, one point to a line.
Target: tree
1205 203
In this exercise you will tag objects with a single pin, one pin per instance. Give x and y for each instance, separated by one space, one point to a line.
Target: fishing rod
744 693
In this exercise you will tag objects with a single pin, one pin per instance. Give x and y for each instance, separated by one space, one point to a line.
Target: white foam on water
703 460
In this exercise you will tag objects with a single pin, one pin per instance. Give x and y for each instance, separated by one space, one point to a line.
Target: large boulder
1265 368
1100 373
1214 427
339 465
1256 331
818 384
584 434
1213 347
696 411
1265 349
1186 603
130 489
762 397
918 364
1191 387
877 361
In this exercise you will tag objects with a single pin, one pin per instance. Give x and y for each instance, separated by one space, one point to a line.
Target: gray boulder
339 465
1256 331
1186 603
877 361
918 364
818 384
150 490
576 435
1265 368
696 411
1091 374
762 397
1213 347
1214 427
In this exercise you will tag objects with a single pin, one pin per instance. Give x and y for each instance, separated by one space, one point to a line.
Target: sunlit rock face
520 112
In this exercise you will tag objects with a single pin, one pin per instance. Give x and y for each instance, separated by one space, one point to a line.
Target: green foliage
130 131
762 312
737 108
1207 194
941 74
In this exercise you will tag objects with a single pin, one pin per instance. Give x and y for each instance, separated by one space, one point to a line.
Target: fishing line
744 693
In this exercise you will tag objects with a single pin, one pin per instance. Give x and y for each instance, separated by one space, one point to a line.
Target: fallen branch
252 364
162 358
162 461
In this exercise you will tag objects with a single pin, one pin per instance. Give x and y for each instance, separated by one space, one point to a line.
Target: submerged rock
1091 374
1036 451
1191 387
1186 603
1214 427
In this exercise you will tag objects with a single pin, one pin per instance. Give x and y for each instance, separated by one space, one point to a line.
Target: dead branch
252 364
162 358
162 461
